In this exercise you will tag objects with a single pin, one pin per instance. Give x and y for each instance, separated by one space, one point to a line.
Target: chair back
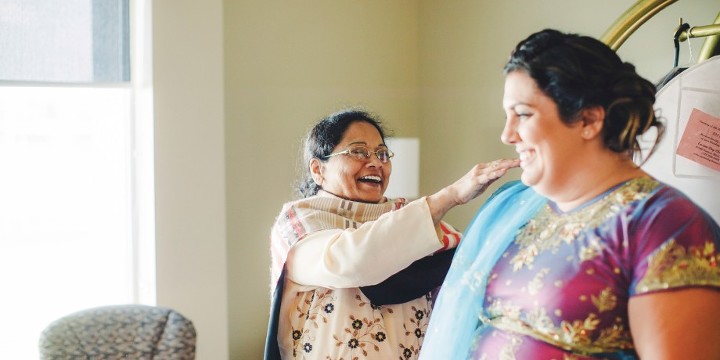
120 332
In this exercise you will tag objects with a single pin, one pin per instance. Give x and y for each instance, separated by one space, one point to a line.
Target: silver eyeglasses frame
364 155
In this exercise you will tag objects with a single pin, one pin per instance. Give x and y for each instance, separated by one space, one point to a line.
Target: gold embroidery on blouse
548 230
674 265
508 351
606 301
536 284
593 249
615 337
575 336
582 336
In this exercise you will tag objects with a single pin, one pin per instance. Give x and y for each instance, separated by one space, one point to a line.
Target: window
75 163
78 41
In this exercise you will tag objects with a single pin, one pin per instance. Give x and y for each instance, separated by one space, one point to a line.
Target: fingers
495 169
481 176
502 164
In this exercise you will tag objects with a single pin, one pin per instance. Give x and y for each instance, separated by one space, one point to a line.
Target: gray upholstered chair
120 332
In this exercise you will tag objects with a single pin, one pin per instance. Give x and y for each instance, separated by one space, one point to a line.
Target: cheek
347 174
527 134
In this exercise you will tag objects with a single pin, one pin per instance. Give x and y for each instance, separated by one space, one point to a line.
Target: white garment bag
689 105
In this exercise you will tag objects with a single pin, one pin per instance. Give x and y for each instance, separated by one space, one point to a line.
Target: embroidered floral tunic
561 289
330 247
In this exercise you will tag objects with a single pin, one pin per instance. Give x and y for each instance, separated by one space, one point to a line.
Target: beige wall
237 84
190 168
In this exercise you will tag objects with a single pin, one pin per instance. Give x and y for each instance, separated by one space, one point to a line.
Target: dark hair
322 139
579 72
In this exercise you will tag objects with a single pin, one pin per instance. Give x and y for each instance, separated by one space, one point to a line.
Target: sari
455 321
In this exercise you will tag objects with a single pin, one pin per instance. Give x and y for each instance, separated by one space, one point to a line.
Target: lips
525 156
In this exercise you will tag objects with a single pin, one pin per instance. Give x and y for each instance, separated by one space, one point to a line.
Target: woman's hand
468 187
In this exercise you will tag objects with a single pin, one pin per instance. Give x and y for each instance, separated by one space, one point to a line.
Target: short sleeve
676 244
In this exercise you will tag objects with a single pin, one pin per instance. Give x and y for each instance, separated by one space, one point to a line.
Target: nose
509 134
374 160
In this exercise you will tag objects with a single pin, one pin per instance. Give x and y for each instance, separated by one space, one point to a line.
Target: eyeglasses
363 154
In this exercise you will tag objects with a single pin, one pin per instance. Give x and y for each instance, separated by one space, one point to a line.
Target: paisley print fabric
120 332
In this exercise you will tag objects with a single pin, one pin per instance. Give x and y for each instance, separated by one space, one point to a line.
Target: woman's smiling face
548 148
351 178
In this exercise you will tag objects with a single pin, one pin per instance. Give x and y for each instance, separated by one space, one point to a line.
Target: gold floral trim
573 336
673 265
548 230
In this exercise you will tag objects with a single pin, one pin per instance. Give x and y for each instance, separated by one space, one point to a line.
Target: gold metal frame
713 35
631 20
642 11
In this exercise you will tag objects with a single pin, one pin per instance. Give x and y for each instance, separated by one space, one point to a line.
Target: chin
526 179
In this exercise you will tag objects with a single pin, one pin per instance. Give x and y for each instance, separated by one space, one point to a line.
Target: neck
586 184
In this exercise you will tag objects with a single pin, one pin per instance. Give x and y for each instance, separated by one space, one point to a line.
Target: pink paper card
700 141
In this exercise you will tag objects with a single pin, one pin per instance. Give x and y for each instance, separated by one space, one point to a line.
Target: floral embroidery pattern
673 265
606 301
363 334
576 334
317 306
536 284
548 230
417 326
585 336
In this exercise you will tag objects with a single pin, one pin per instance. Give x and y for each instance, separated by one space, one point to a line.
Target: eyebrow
518 103
515 105
364 143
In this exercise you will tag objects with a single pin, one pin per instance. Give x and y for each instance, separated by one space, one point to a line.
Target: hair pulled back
324 137
578 72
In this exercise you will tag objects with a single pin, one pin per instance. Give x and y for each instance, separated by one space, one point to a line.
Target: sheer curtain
75 163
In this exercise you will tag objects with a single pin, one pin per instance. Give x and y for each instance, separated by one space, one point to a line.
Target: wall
190 167
237 84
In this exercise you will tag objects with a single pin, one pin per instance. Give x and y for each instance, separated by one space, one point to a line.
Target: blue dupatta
455 318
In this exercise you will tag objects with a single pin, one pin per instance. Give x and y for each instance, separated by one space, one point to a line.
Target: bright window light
76 184
65 213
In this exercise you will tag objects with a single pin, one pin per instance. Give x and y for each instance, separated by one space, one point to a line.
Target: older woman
589 257
358 267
